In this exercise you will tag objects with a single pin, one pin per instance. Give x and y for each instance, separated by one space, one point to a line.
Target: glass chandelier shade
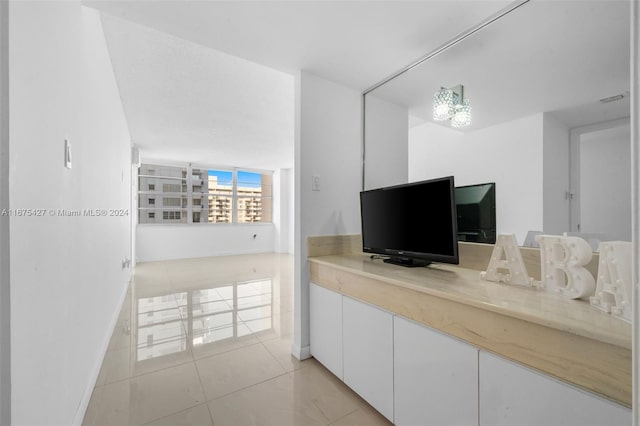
450 104
461 114
442 104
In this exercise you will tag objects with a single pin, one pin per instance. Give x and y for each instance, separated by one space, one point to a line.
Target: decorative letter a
613 286
506 264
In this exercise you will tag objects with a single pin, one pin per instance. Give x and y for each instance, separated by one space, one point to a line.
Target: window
171 202
254 197
220 196
163 194
202 195
171 215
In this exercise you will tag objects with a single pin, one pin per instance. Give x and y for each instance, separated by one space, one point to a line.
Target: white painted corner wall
291 236
283 211
386 153
604 198
67 280
328 135
555 176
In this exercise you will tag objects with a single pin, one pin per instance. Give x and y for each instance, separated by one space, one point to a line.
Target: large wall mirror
548 84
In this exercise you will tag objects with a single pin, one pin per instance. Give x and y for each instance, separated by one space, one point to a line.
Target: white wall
282 210
386 151
67 281
291 236
328 135
605 204
555 176
166 242
509 154
5 306
134 211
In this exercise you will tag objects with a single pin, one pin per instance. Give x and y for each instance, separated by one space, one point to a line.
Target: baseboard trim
301 353
86 397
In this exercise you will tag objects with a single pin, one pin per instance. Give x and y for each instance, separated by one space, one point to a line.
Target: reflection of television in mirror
412 224
476 210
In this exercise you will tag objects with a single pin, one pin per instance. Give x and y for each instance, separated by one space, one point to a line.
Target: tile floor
207 342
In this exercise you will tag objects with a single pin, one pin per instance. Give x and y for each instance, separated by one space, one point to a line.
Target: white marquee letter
561 266
613 288
506 264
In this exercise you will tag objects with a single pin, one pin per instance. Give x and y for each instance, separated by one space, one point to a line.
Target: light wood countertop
567 339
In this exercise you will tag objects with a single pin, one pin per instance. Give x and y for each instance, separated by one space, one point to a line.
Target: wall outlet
315 183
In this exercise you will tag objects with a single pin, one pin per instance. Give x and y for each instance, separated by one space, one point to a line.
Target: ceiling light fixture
450 104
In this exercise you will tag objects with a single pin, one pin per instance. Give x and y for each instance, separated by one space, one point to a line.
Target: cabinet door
325 327
511 394
368 353
435 377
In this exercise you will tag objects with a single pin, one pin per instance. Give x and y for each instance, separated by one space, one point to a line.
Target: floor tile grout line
224 351
278 361
177 412
359 407
146 373
210 413
258 343
275 358
204 394
183 409
227 351
322 413
246 387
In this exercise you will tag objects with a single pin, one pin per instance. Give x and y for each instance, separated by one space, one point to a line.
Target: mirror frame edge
635 202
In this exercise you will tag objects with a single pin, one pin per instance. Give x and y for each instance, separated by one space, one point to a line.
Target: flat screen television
476 210
412 224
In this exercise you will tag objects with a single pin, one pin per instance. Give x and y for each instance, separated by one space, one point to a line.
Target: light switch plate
67 153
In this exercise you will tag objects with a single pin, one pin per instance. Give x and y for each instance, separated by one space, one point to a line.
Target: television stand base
407 261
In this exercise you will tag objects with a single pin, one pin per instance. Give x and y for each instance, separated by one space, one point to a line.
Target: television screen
411 224
476 210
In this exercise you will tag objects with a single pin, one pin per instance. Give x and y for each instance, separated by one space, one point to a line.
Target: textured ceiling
184 102
212 81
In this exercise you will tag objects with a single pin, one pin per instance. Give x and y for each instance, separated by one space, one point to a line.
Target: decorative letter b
561 266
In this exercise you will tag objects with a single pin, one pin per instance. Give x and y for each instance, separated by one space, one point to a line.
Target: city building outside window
189 194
